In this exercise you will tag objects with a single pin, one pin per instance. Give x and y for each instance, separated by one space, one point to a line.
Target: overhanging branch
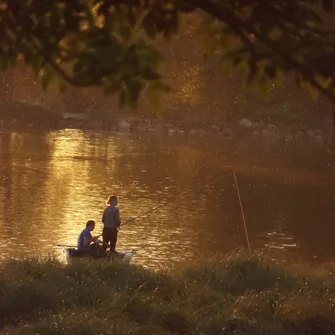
12 25
225 15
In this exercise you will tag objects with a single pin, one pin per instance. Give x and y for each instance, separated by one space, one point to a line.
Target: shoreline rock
244 130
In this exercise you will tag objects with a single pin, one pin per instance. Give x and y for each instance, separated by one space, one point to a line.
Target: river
52 182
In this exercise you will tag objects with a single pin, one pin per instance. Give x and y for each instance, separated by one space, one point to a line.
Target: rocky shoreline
21 115
243 130
228 131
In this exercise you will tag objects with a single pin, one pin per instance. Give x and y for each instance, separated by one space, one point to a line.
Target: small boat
122 256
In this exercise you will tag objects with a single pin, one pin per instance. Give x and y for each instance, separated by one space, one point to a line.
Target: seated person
85 238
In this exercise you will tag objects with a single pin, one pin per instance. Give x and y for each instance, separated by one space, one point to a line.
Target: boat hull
121 256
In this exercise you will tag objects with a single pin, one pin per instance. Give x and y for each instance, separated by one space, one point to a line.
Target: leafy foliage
108 43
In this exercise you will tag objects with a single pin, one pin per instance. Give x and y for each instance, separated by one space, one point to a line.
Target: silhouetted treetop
109 43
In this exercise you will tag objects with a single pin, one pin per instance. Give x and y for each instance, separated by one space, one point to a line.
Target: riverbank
244 136
232 294
22 116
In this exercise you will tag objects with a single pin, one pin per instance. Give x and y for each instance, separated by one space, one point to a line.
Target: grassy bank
232 294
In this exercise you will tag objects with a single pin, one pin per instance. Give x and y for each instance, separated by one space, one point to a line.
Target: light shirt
111 217
86 233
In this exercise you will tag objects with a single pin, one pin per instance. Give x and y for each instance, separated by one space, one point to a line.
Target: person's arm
88 239
103 216
117 217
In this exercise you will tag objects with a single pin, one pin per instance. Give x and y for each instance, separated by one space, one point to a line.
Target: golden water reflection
52 183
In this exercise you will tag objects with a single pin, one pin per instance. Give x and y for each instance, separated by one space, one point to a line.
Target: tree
108 43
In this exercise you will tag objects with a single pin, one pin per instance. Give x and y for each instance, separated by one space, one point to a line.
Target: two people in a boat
111 221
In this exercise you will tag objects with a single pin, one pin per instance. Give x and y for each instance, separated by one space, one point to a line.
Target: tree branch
227 16
12 25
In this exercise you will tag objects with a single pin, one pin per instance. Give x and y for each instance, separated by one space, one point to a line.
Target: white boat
122 256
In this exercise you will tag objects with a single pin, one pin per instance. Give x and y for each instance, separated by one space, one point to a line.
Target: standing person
111 221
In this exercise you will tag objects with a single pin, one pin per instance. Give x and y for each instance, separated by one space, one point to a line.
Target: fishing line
206 185
242 212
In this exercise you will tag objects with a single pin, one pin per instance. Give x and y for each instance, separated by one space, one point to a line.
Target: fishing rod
65 246
179 197
73 246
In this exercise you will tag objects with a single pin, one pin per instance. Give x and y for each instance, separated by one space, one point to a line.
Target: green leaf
111 88
313 92
123 98
298 79
47 77
264 87
162 87
13 61
149 55
149 73
151 31
59 84
233 58
324 81
125 32
270 71
36 63
134 89
4 64
253 70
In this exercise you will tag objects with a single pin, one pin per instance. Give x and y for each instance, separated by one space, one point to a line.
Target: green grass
233 294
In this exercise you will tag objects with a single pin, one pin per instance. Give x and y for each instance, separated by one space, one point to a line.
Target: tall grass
234 294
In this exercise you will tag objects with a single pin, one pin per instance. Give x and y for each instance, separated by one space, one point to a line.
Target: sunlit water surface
51 183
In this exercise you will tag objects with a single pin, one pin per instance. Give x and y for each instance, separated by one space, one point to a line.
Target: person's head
90 224
112 200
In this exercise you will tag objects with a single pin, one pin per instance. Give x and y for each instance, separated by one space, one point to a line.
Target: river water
51 183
